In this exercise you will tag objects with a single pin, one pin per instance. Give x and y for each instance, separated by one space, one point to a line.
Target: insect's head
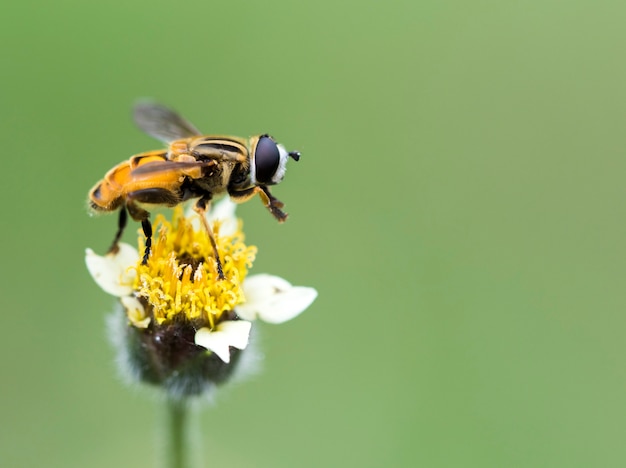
270 161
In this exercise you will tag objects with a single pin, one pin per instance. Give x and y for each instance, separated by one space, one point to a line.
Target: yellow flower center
180 279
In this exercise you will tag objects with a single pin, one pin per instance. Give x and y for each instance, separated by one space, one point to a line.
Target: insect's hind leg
158 196
201 207
121 225
139 214
147 231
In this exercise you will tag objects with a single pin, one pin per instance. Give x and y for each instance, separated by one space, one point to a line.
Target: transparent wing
162 123
156 168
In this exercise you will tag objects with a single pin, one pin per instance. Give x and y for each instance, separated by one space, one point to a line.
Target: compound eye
266 160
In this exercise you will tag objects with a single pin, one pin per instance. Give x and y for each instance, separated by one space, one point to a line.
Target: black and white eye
267 159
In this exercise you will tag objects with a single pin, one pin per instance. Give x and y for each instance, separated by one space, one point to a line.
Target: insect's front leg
272 203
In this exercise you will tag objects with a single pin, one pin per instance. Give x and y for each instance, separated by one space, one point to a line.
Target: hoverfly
193 166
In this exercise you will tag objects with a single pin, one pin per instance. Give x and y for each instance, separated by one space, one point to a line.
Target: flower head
185 328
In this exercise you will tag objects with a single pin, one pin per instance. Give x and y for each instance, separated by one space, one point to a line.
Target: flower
273 299
185 328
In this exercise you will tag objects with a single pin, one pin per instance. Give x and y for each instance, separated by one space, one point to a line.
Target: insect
193 166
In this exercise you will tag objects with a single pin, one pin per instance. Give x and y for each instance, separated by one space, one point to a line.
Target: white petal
111 272
229 333
238 332
260 288
135 311
213 341
273 299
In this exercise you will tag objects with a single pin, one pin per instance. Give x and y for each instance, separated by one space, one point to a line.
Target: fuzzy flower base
167 358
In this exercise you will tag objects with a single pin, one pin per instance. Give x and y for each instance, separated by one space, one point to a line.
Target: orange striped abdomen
110 192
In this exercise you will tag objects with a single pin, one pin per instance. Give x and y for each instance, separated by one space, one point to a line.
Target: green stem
175 435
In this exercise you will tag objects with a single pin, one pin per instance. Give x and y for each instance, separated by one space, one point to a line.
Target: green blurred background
459 206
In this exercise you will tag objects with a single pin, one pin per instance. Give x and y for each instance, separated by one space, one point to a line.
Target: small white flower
113 272
273 299
226 334
267 297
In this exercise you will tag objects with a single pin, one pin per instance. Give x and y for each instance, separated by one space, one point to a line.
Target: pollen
180 279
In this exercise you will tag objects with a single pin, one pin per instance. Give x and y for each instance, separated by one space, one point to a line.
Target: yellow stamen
180 279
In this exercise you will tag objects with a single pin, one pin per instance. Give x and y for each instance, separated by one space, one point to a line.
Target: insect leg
159 196
201 208
121 224
243 195
272 203
139 214
147 231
